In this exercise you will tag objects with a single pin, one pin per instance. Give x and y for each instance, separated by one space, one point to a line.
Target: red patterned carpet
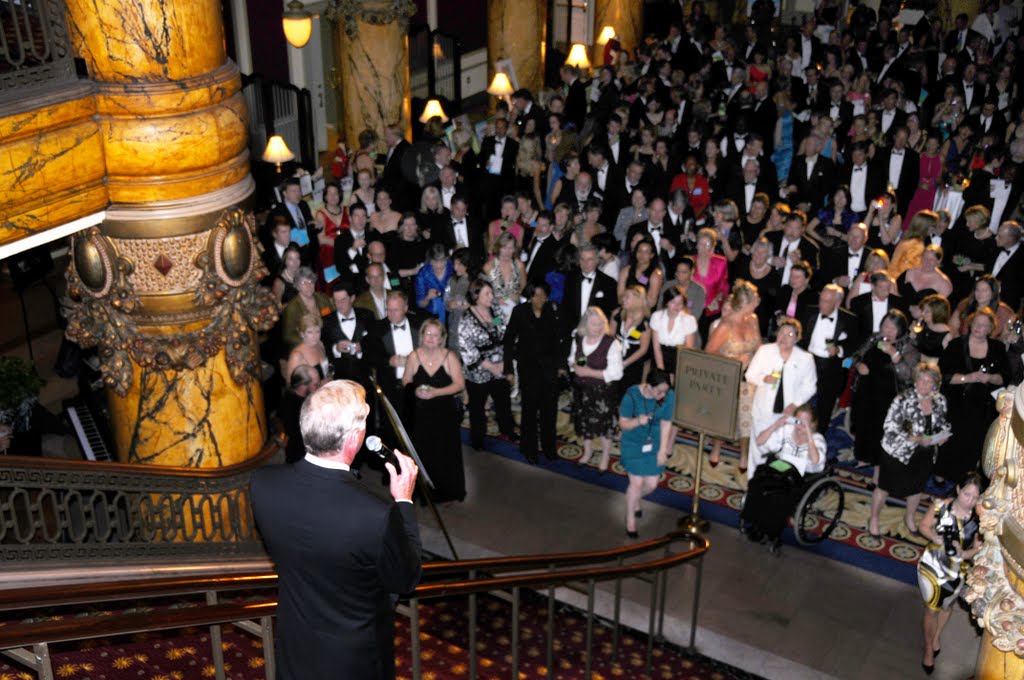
443 640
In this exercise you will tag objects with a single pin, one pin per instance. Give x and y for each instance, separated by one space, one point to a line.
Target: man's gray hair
331 414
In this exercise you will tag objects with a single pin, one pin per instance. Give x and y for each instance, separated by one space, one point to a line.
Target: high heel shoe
743 470
928 670
714 463
638 514
632 534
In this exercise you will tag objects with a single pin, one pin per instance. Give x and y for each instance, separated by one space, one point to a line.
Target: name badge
647 447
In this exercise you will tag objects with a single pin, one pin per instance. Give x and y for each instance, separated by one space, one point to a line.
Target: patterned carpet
894 554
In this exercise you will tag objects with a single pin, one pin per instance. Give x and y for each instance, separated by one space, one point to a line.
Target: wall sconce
277 152
433 110
297 24
578 57
501 87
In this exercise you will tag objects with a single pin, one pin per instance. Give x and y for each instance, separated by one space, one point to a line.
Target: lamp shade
277 151
500 86
607 33
433 109
578 56
297 24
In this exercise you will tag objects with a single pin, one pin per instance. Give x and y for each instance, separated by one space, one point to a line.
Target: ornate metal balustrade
34 45
60 511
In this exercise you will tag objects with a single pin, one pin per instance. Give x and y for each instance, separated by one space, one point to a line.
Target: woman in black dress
406 252
972 366
532 339
634 335
883 364
767 279
931 330
436 376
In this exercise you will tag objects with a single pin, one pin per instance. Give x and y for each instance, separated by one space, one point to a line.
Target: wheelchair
819 500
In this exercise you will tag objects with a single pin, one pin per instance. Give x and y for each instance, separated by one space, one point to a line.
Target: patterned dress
595 403
940 575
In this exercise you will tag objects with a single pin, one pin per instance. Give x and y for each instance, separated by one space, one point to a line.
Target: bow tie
348 318
968 87
588 279
858 169
655 227
897 152
1008 251
828 318
751 184
398 327
853 254
459 223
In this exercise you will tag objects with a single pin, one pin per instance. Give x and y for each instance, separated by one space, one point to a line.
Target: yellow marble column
373 60
515 31
625 16
167 286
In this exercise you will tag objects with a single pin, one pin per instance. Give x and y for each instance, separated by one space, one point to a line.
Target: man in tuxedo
790 246
812 177
1008 266
890 118
988 121
273 254
526 109
392 178
870 308
582 193
391 342
753 150
344 335
763 116
374 298
300 219
972 91
742 189
959 38
861 179
497 167
830 334
842 266
721 70
343 555
463 231
608 179
350 247
811 50
664 234
900 167
448 184
575 97
539 248
586 288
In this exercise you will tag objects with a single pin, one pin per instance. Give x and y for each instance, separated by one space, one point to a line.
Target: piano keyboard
87 431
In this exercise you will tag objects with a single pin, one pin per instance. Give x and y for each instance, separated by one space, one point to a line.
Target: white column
432 14
240 26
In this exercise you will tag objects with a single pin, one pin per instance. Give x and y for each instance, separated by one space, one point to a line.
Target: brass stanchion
693 521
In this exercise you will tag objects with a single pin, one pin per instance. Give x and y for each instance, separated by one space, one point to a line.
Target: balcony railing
34 46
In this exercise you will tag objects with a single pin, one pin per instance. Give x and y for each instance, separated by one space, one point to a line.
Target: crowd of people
835 207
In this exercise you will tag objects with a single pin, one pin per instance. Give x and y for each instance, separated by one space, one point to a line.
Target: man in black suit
463 231
900 168
392 178
791 246
448 184
861 178
497 168
870 308
350 247
960 37
300 219
526 109
608 179
582 193
1008 266
971 90
273 253
812 177
842 266
988 121
664 234
836 105
575 97
539 248
304 381
890 118
830 334
742 188
342 554
390 344
587 287
344 335
763 116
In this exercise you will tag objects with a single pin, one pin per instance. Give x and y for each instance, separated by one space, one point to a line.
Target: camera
948 530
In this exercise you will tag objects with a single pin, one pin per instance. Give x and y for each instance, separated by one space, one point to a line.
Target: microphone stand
423 481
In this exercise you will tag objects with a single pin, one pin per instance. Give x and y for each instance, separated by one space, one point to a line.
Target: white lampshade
607 33
433 109
500 86
277 152
578 56
297 24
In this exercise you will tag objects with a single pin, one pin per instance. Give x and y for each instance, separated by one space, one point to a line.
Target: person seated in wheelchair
796 450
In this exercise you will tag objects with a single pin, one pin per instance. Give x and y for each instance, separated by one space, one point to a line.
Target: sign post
707 400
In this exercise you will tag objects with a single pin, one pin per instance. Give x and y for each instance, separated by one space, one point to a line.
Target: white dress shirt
853 261
402 337
348 327
586 288
1003 258
461 233
785 248
887 119
824 332
858 188
537 243
446 196
895 166
879 308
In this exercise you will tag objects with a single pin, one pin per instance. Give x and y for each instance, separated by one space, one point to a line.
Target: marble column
167 286
515 31
625 16
373 63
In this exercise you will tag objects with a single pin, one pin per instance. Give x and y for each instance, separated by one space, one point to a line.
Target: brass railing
28 642
34 45
56 511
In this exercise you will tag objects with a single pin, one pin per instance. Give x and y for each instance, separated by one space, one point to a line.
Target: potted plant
19 394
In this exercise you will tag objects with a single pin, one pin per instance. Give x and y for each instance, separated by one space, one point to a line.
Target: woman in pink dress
931 169
712 272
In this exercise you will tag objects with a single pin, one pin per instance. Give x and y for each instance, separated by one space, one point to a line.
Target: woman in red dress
328 222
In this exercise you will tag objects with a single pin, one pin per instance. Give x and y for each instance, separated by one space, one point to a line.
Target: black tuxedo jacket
809 251
668 230
348 366
978 191
899 118
873 182
611 195
846 331
393 179
835 263
1010 277
568 196
508 159
996 128
272 260
736 191
910 172
474 231
352 268
862 309
762 120
603 294
379 348
342 555
977 95
576 104
821 184
544 261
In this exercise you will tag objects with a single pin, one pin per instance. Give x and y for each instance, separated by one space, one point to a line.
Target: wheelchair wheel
818 511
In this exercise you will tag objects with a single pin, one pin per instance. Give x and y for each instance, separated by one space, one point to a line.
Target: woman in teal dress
645 417
783 156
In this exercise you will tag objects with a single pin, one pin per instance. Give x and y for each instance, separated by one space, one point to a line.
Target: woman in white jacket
785 378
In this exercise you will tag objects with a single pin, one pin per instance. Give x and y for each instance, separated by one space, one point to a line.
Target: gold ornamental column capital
376 12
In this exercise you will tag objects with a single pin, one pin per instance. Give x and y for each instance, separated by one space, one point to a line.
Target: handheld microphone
376 445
